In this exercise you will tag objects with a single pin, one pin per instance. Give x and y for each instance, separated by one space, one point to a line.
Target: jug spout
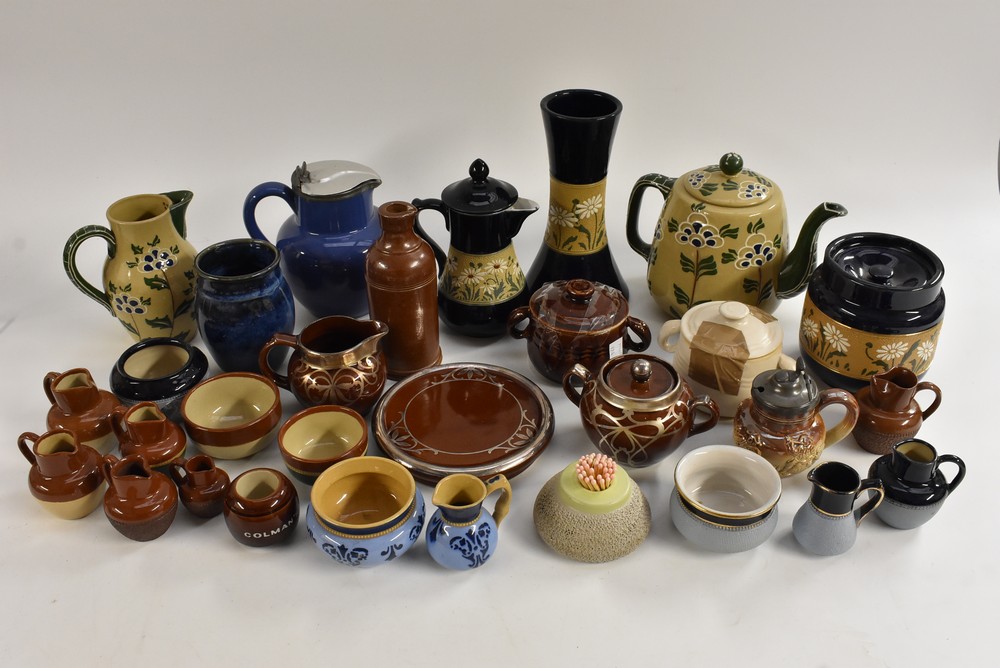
893 390
179 200
801 261
517 213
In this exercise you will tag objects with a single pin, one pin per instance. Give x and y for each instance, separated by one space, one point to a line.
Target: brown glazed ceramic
201 485
335 360
576 322
402 292
232 415
261 507
781 420
140 503
144 430
78 405
65 476
463 418
636 409
889 412
313 440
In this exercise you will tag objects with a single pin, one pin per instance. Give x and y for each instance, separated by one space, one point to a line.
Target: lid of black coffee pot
785 394
479 194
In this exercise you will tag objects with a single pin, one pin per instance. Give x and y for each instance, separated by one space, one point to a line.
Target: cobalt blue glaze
324 243
461 543
375 545
242 300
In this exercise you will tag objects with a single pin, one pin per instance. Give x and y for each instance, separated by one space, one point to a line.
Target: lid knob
734 310
641 371
579 290
880 273
479 171
731 164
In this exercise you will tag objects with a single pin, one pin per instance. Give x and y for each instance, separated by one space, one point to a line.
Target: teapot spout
517 213
801 261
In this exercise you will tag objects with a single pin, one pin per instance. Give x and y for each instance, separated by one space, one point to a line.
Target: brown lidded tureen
576 322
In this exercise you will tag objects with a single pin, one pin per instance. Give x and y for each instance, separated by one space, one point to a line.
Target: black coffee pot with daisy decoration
481 281
875 303
722 235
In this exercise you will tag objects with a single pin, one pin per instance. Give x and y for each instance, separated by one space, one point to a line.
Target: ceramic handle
118 424
521 313
872 503
927 385
22 444
279 379
268 189
439 206
502 507
580 373
106 464
50 378
69 261
957 461
787 363
669 329
177 472
642 333
665 185
851 408
705 405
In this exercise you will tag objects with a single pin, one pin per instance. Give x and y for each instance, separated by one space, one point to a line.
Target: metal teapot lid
785 394
333 179
642 378
479 194
728 184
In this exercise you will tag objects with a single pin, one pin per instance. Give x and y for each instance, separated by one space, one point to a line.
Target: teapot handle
69 261
502 506
436 205
665 185
852 411
279 339
957 461
927 385
874 484
267 189
704 404
581 373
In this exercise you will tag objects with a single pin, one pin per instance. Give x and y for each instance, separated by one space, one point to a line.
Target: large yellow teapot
722 236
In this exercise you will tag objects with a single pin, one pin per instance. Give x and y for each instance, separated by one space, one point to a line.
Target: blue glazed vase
242 300
460 534
365 511
323 244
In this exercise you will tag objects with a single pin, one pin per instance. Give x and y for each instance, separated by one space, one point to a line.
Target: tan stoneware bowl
232 415
313 440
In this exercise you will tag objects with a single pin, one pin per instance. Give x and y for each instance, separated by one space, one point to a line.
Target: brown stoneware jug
78 405
140 503
144 430
261 507
889 411
781 420
201 484
402 292
336 360
65 476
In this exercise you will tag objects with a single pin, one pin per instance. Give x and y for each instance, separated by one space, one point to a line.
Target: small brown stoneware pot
201 484
79 406
637 409
890 413
232 415
140 503
313 440
261 507
145 430
576 322
65 476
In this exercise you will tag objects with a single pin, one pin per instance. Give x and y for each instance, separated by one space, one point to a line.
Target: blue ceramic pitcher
324 242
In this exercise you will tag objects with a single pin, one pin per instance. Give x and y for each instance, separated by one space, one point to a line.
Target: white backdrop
888 108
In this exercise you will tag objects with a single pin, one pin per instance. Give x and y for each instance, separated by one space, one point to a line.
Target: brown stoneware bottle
144 430
201 484
140 503
261 507
78 405
889 412
65 476
402 292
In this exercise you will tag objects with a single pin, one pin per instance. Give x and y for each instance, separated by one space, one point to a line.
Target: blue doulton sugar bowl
365 511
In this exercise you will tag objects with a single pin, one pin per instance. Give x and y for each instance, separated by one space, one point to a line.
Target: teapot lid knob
731 164
479 171
641 370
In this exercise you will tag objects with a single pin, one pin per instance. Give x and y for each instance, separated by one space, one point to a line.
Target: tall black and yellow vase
579 129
